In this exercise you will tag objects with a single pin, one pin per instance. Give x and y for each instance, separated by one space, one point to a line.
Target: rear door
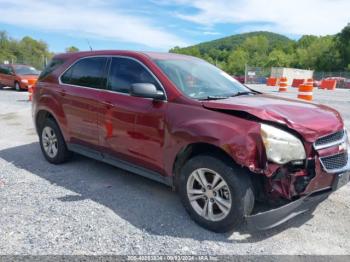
80 88
132 128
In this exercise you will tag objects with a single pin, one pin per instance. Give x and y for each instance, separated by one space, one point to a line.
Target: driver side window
124 72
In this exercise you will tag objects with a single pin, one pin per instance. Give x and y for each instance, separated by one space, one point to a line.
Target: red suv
18 76
183 122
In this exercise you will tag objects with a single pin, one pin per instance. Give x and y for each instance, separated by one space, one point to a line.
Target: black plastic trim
275 217
121 164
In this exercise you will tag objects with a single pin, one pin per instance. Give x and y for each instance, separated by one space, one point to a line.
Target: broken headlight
281 146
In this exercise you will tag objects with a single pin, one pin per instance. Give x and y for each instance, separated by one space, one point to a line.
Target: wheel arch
195 149
40 117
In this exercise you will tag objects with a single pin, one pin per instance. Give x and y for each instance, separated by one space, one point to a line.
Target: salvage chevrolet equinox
183 122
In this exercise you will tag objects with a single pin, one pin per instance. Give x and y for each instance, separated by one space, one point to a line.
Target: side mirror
146 90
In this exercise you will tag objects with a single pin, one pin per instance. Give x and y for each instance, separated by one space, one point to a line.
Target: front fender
238 137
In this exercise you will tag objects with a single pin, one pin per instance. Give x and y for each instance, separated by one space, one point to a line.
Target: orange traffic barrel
305 90
283 85
271 81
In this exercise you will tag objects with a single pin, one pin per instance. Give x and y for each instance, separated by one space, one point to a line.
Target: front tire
216 194
17 87
52 143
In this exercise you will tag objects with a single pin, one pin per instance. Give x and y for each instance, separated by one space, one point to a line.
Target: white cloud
87 18
285 16
211 33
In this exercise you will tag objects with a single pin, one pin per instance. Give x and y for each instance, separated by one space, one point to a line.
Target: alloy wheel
49 141
209 194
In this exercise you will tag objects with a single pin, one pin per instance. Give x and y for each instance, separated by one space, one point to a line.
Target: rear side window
124 72
52 66
88 72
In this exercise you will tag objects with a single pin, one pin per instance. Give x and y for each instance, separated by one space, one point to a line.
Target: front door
132 128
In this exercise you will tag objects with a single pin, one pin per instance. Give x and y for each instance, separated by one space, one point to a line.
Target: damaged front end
301 152
305 183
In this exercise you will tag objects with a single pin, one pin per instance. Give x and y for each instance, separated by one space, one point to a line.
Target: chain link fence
342 78
38 63
258 75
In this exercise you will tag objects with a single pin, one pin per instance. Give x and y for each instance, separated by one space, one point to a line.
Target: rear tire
52 143
227 198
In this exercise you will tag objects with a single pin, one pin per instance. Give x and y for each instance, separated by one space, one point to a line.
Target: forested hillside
262 49
265 49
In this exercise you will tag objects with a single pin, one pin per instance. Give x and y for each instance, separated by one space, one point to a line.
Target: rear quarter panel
47 98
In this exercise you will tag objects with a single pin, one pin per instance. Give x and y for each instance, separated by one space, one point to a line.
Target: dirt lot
87 207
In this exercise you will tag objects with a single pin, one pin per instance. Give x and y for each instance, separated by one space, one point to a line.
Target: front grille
332 138
335 162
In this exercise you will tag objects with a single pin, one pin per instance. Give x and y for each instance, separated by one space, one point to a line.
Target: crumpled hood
309 120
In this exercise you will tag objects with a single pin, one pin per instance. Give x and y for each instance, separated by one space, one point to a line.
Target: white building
291 73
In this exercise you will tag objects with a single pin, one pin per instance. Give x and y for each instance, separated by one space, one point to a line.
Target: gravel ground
88 207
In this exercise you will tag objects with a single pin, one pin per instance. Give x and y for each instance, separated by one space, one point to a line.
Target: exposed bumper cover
275 217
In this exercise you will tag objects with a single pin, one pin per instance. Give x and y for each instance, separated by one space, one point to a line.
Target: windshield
200 80
25 70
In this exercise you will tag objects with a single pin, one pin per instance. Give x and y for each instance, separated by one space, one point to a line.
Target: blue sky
162 24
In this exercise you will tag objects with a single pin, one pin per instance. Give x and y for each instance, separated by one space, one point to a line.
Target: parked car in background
184 122
240 79
347 83
18 76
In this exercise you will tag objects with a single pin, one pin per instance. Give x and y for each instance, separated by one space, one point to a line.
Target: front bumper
275 217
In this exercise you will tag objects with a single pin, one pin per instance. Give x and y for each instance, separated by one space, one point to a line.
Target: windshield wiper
215 97
242 93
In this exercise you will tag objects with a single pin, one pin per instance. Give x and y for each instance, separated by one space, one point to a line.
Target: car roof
151 55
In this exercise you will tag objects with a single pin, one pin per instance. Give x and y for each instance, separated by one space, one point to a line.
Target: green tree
236 61
72 49
257 48
343 45
278 58
6 48
32 52
306 40
193 51
321 54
